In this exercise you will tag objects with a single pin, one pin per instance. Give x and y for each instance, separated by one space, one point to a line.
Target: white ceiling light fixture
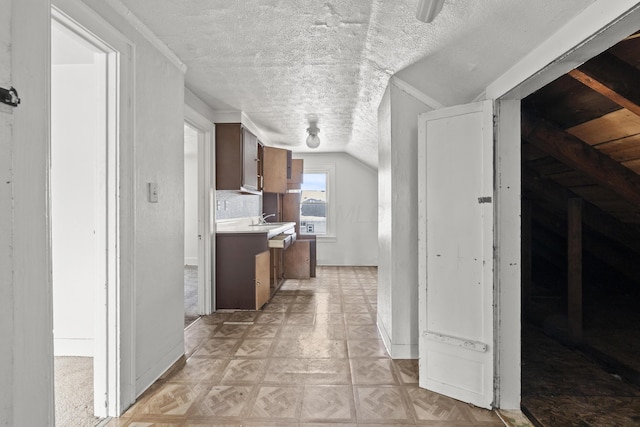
312 140
428 9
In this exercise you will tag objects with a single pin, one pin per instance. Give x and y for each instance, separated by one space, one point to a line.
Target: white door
455 172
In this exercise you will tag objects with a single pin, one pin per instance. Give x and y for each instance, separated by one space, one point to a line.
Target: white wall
356 207
77 133
190 196
398 221
27 349
6 241
158 243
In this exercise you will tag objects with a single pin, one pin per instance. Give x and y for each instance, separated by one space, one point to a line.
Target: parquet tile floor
311 357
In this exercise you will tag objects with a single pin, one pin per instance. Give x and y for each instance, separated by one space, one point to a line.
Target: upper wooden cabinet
238 158
297 169
274 170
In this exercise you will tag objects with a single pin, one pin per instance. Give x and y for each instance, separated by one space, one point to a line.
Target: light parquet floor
311 357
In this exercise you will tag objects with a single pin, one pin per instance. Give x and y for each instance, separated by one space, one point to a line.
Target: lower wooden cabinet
263 280
297 260
242 271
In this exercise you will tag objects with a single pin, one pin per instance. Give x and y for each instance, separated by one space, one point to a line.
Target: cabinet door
291 209
275 170
297 169
296 261
228 156
249 160
263 281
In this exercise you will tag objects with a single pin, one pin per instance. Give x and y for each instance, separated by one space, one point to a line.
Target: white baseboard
82 347
397 351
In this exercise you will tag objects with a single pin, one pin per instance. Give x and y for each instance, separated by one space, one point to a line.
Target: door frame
119 339
206 200
598 27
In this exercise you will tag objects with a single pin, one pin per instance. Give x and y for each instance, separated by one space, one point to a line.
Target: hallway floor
312 356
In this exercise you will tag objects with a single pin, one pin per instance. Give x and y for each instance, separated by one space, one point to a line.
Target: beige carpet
74 392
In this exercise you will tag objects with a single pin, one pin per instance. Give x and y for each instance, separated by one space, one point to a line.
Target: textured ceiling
285 62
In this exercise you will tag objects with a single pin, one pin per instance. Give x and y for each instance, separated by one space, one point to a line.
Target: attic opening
581 242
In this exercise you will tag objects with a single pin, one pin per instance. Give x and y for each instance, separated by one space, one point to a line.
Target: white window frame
330 170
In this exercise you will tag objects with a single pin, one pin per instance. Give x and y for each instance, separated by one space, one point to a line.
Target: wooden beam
594 218
573 152
613 78
616 257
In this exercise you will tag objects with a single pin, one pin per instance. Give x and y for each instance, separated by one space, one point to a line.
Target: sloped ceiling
285 62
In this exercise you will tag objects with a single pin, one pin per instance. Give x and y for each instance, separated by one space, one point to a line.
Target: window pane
313 206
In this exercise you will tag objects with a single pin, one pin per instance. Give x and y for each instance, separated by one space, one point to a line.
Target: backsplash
233 204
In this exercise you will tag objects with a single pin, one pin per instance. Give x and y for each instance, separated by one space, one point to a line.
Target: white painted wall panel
158 238
356 205
32 395
398 217
6 262
385 224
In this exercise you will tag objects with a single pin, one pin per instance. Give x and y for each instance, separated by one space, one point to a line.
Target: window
313 204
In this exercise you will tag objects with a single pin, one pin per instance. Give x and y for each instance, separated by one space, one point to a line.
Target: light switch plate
153 192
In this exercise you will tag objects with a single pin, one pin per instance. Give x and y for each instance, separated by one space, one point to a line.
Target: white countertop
249 225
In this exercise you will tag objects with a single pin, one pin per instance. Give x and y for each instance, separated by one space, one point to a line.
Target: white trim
591 32
136 23
120 298
507 192
206 200
416 93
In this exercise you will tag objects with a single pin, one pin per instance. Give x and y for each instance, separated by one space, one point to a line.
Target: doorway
191 226
199 226
580 243
84 225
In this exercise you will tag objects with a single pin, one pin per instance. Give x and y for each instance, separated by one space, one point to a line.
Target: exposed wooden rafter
594 218
573 152
620 260
613 78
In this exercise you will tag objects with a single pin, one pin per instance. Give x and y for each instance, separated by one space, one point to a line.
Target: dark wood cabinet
242 271
238 158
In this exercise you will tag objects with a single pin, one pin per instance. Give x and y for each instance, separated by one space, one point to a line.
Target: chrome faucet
263 218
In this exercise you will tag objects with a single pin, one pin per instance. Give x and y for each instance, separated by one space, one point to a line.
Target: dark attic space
581 244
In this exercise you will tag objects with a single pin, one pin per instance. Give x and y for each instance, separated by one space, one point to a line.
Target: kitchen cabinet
242 270
297 169
238 158
312 252
263 279
291 209
274 165
297 260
